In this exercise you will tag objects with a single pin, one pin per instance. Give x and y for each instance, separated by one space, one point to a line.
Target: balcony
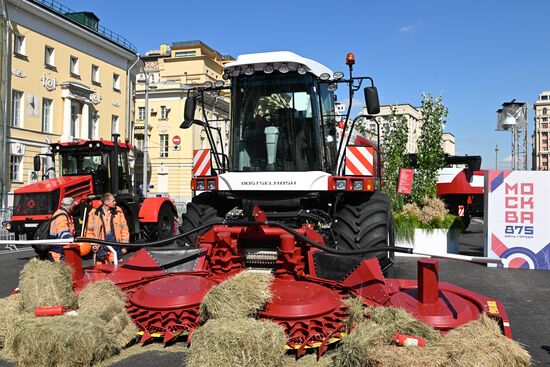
87 20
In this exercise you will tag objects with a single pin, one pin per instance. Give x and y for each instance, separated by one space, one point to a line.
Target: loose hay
480 343
393 356
10 314
62 341
45 283
105 301
237 342
358 348
356 311
240 296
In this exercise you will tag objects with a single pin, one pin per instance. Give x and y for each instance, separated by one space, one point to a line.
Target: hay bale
10 314
237 342
481 343
105 301
393 356
62 341
45 283
358 348
356 311
237 297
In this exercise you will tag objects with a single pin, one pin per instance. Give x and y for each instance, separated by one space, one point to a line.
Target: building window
74 65
49 56
163 145
163 112
95 74
544 98
186 53
94 125
116 82
47 115
141 113
16 168
545 126
19 44
114 124
16 112
545 119
544 111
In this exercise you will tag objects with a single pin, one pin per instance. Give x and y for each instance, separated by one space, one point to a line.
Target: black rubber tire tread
364 222
166 213
197 215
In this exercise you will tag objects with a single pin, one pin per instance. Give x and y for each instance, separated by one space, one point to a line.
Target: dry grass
237 342
237 297
480 343
138 349
62 341
105 301
44 283
10 313
356 312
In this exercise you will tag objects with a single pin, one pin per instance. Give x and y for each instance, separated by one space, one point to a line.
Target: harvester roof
92 143
260 60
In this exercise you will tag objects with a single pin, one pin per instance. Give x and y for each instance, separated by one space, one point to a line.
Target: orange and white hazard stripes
359 161
202 162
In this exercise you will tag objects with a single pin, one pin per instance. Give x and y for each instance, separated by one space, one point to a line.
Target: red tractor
88 169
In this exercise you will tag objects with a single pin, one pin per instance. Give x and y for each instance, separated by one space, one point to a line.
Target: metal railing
63 10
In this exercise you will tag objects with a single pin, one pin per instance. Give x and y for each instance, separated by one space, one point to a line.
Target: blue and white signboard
517 212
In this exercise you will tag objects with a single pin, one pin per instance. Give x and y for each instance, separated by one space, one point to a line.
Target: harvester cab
290 154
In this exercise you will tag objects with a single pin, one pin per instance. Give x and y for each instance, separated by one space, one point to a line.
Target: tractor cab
97 158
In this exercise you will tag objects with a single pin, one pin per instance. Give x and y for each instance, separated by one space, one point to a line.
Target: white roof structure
277 58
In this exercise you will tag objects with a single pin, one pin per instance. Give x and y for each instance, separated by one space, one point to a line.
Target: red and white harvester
293 197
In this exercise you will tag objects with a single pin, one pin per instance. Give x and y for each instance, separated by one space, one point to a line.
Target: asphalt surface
525 294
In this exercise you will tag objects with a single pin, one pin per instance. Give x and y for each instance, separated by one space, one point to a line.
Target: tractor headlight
340 184
358 185
211 184
200 185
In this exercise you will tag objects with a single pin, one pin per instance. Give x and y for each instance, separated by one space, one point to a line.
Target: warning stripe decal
359 161
201 162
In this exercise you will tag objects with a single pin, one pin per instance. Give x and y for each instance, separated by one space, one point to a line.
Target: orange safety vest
62 226
97 225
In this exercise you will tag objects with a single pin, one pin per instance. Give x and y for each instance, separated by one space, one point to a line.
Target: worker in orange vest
108 223
62 227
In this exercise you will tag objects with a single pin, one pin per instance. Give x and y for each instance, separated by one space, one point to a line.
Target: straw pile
478 343
356 312
237 342
63 341
237 297
105 301
45 283
10 315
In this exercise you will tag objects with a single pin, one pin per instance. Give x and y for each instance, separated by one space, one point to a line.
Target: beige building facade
413 116
171 71
69 81
541 149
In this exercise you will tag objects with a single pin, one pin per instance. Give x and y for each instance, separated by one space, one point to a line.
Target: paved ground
526 296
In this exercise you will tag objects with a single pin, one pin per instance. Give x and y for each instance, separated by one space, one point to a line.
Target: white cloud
507 159
356 103
411 28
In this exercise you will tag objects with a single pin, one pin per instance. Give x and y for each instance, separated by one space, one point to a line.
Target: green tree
430 154
394 149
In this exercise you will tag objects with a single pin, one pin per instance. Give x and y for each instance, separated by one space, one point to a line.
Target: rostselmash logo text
519 210
268 183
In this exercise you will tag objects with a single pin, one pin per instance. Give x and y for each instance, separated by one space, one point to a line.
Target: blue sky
476 54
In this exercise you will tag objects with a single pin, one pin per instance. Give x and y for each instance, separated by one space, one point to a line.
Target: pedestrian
62 227
108 223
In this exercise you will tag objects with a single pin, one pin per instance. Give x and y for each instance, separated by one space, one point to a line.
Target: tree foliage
430 156
394 149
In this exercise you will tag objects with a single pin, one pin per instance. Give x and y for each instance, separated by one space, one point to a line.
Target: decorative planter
435 242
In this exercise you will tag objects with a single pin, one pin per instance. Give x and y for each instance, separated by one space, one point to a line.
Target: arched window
544 111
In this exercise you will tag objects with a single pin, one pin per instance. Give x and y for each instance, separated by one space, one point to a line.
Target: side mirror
189 112
36 163
371 99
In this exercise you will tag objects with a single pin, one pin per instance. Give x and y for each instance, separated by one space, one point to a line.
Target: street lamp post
148 87
496 157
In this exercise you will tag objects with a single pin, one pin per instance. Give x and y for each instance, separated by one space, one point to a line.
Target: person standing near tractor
108 223
62 227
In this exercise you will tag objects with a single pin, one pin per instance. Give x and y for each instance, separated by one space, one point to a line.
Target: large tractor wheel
164 228
364 222
199 212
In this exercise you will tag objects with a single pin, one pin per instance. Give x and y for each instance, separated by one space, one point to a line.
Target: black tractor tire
196 216
164 228
365 222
